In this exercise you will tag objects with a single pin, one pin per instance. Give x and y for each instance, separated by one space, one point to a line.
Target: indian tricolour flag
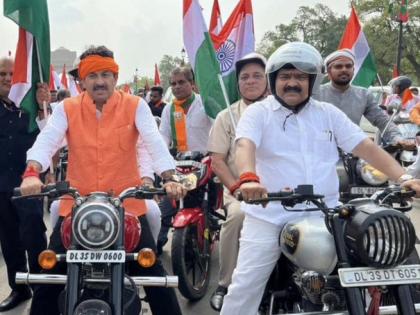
355 40
202 57
235 40
32 61
216 23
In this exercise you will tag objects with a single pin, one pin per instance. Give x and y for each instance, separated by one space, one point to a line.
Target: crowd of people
285 130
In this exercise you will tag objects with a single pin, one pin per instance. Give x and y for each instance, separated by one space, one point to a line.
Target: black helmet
250 58
402 82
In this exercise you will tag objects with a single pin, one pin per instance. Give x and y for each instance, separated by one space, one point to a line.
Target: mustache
99 87
292 89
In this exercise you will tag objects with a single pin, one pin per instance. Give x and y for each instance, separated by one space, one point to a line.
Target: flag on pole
202 57
355 40
403 16
64 81
216 23
32 53
157 76
235 40
54 79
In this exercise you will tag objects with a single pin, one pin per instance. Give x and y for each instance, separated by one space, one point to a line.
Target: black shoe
216 300
14 299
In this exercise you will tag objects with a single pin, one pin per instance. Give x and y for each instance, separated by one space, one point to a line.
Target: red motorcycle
196 226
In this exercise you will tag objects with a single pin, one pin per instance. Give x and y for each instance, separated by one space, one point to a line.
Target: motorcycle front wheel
191 261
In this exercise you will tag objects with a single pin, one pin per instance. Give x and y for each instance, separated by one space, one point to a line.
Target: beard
342 82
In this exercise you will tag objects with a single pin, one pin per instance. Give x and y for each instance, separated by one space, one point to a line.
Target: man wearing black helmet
252 85
283 141
402 95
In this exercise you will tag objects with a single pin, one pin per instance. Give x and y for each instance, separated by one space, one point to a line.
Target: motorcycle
330 260
407 155
196 226
357 178
100 238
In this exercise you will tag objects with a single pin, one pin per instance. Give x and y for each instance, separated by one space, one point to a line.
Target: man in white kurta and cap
354 101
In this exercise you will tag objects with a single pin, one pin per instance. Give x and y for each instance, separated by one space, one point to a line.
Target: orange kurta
102 152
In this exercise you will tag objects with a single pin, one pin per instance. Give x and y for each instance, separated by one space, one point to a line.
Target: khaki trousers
229 239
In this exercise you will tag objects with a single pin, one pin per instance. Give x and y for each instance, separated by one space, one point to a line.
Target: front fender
187 216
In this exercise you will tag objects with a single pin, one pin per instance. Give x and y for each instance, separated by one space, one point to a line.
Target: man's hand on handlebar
31 186
175 190
412 184
252 191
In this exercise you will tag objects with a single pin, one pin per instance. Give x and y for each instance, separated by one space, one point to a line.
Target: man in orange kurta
102 127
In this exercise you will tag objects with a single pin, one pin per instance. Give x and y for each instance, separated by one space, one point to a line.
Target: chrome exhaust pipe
31 278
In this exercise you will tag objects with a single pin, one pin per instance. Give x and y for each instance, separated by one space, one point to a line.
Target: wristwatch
404 177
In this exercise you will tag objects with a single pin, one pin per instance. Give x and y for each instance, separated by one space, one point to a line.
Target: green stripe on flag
32 15
231 85
206 76
367 72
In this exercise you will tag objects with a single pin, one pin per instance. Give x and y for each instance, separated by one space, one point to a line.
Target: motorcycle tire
191 261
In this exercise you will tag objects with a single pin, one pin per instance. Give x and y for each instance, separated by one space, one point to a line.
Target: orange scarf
179 123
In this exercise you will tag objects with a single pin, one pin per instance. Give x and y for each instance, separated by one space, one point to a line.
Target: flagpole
400 47
222 85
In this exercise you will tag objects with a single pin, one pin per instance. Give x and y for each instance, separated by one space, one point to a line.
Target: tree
166 65
381 30
318 26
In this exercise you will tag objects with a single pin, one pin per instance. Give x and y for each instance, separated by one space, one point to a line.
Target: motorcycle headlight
379 236
369 174
96 225
93 307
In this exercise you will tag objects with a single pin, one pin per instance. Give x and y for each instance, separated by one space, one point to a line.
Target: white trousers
152 216
258 254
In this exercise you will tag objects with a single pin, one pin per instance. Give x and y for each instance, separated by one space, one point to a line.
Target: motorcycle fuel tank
307 243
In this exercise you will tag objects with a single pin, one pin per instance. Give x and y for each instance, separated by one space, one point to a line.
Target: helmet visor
303 66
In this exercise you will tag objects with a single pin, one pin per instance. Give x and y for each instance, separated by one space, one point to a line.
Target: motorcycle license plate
364 190
89 256
366 276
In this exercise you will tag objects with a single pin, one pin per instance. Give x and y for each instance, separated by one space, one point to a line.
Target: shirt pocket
325 147
125 137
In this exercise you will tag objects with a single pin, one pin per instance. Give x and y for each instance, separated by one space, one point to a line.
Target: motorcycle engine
308 244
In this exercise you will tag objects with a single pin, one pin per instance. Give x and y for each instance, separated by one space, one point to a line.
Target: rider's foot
216 300
15 298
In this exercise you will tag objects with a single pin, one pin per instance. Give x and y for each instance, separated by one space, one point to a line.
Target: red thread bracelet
249 177
30 171
233 188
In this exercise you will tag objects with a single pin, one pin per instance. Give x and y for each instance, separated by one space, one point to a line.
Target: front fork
354 298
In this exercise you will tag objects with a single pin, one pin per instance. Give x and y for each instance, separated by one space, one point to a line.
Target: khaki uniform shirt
222 134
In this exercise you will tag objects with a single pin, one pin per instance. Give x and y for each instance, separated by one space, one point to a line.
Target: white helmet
250 58
299 55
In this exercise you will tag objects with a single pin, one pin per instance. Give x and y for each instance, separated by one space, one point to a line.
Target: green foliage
318 26
322 28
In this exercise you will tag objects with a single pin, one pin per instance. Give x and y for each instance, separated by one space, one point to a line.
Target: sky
141 32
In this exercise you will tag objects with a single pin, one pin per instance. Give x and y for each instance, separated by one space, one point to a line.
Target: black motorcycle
100 238
329 262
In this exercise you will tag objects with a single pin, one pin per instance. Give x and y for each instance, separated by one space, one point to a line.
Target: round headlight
379 236
93 307
369 174
96 225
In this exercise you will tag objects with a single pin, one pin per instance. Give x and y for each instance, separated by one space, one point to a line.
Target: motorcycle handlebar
63 188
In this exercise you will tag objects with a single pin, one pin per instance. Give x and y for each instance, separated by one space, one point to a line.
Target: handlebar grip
17 192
